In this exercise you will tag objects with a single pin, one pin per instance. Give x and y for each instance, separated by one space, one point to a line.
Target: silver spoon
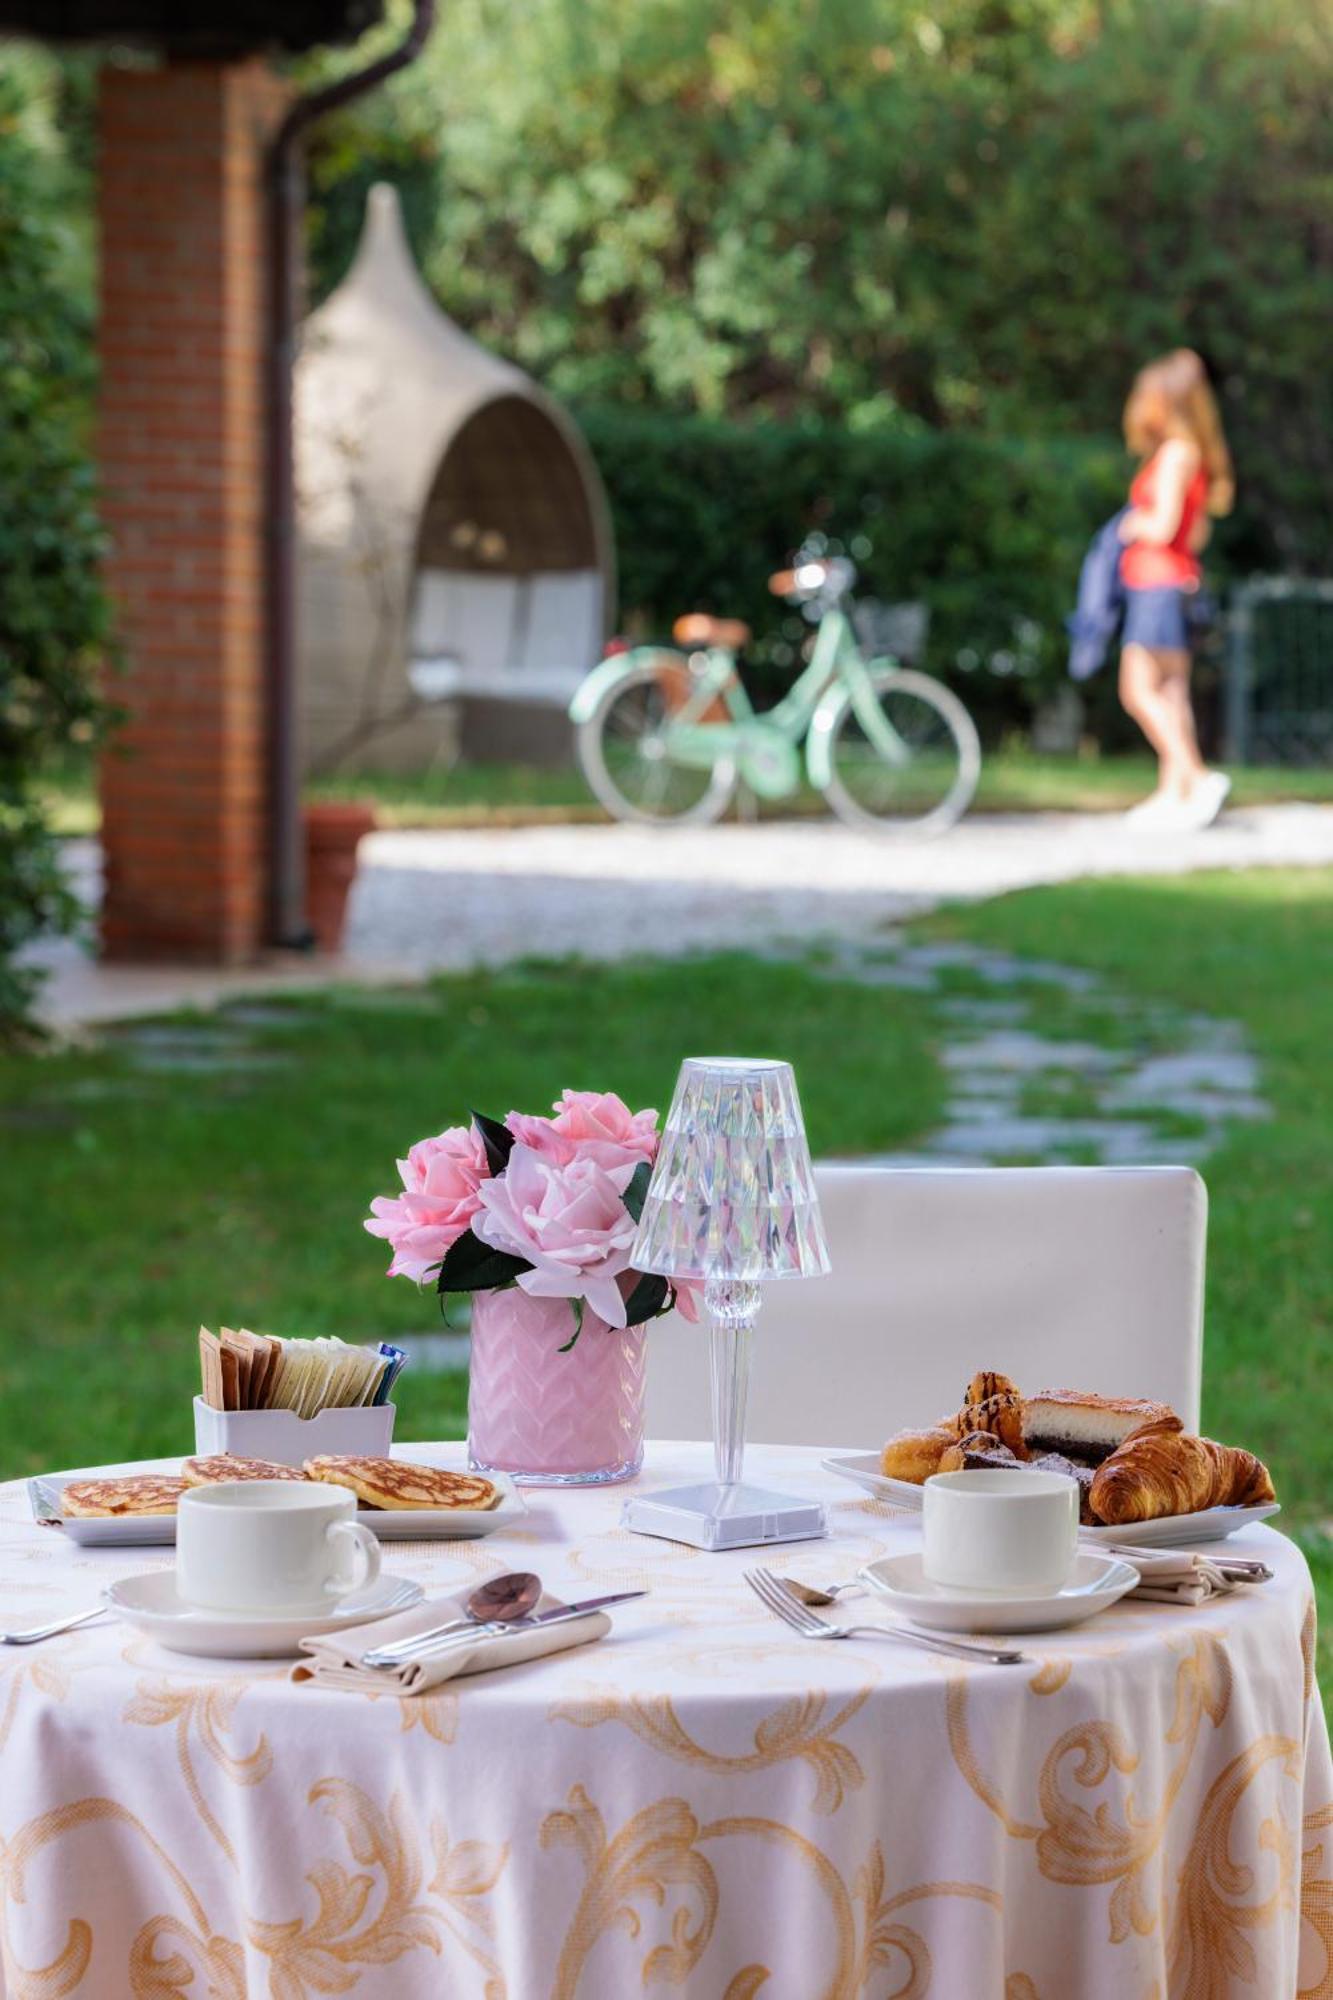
813 1594
36 1632
500 1601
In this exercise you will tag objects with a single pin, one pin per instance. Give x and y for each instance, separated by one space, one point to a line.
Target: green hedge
54 619
989 533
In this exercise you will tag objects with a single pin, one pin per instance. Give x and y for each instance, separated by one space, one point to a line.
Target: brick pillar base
182 453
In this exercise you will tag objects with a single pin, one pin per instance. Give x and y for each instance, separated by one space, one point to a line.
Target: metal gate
1279 675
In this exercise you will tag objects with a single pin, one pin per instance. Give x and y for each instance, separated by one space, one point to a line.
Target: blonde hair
1171 398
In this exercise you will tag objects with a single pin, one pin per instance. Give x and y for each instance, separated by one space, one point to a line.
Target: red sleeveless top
1169 565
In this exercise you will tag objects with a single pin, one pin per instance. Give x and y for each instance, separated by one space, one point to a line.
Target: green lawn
1013 780
135 1204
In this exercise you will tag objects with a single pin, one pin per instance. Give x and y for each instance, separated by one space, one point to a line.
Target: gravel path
426 901
450 899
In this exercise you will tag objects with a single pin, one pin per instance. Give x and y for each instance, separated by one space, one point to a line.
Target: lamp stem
732 1308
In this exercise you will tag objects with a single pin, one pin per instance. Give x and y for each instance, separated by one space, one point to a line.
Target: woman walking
1184 478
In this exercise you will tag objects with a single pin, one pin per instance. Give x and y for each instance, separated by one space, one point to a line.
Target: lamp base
712 1516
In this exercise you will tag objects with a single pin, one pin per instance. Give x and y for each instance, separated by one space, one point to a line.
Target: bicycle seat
696 628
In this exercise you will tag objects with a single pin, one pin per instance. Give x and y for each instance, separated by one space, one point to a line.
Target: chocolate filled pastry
914 1455
1072 1468
987 1383
978 1451
1001 1414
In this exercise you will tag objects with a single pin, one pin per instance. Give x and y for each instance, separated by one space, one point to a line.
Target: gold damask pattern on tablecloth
701 1804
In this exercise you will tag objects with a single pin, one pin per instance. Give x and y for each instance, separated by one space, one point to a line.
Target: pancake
398 1486
226 1466
136 1493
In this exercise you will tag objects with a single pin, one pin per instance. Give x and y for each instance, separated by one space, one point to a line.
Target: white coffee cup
1000 1532
272 1547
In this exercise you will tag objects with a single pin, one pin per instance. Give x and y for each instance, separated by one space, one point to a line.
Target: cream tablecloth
702 1803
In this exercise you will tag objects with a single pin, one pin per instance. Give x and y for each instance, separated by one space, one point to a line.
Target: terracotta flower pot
333 833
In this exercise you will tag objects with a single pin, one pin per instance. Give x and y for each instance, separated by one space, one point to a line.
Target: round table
701 1803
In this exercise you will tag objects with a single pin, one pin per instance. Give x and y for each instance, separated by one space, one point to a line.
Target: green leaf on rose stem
469 1265
637 1192
577 1304
496 1138
647 1300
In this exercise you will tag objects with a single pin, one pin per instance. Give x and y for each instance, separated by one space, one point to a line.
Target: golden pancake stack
386 1484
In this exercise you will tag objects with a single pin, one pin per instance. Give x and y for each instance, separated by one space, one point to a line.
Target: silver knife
460 1631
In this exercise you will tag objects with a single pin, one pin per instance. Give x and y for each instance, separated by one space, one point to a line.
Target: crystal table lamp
731 1205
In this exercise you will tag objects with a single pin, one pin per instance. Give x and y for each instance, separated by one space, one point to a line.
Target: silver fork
1237 1569
35 1632
768 1588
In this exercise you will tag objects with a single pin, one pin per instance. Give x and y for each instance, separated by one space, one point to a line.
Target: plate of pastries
1142 1477
399 1499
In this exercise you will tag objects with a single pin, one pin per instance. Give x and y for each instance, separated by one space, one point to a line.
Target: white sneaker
1152 812
1205 802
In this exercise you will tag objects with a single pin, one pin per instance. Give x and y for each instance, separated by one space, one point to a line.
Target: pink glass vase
547 1418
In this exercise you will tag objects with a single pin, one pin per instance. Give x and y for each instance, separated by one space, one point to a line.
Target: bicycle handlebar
830 577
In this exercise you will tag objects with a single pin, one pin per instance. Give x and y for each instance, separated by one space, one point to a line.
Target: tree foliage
53 617
983 216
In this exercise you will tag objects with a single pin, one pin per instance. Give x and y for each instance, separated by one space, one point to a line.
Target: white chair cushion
1062 1277
563 635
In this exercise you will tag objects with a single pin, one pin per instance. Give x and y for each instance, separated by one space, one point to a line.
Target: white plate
1171 1531
408 1524
149 1602
1096 1582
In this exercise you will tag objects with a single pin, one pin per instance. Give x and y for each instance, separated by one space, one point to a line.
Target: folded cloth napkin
334 1658
1180 1576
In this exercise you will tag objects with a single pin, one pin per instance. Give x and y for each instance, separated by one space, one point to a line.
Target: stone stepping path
1046 1064
212 1047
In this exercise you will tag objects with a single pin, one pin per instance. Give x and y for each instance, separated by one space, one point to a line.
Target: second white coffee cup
271 1546
1000 1532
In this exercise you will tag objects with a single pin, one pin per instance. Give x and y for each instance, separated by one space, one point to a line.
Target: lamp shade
732 1195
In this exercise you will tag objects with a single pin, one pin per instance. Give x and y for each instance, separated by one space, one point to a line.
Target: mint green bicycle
665 736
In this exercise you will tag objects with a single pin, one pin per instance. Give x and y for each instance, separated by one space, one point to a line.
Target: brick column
182 454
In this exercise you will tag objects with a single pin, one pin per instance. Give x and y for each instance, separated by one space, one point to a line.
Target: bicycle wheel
623 749
928 783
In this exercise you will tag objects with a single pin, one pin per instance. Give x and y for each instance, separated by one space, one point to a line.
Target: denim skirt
1156 619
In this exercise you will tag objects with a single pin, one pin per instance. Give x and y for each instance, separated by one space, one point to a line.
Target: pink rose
442 1180
687 1299
569 1220
589 1124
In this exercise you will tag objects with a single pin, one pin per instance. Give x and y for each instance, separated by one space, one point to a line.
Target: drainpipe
287 920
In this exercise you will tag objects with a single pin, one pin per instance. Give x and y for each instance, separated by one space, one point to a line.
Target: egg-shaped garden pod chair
455 560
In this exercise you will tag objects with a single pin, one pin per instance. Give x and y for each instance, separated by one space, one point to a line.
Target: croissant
1159 1470
1240 1479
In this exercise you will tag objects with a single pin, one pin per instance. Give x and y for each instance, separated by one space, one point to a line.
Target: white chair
1062 1277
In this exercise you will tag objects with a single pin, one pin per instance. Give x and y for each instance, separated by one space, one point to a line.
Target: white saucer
1169 1531
1095 1582
149 1602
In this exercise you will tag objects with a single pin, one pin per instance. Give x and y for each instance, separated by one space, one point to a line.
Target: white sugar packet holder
334 1659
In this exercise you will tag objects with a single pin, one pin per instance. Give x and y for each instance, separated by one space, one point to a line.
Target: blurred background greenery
858 265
